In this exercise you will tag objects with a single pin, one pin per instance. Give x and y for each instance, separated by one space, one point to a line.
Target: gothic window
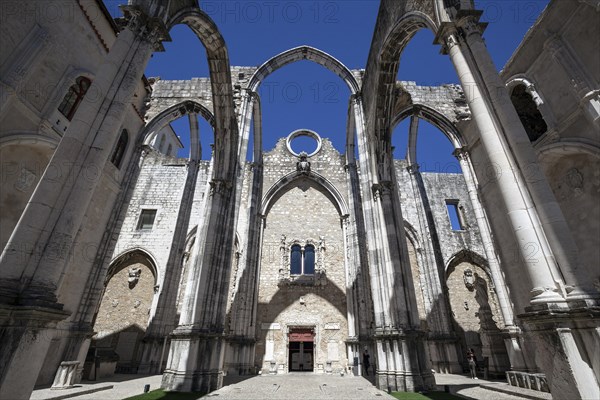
72 99
119 152
146 220
309 260
454 215
170 150
302 260
296 260
528 112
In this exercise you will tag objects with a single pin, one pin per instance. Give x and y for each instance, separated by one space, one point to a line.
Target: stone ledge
517 391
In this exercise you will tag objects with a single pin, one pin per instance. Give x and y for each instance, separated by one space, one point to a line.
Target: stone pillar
241 323
66 375
196 354
555 238
36 257
401 361
163 321
569 371
540 267
443 346
197 344
512 332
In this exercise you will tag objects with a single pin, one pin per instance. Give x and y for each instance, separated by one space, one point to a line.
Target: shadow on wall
285 298
122 318
114 353
476 317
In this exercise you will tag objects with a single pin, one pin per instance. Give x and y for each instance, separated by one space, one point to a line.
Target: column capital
413 168
382 188
150 29
220 186
447 36
466 24
461 153
356 99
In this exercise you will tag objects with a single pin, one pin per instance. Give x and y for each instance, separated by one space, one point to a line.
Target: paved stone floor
300 386
290 386
116 387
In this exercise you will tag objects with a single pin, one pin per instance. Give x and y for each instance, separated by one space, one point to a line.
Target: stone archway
476 313
123 314
305 212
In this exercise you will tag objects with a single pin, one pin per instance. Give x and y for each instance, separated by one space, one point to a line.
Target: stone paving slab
479 393
290 386
116 387
300 386
77 390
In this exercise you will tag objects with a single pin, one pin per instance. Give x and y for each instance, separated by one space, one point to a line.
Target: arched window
73 98
170 150
528 111
119 152
161 146
296 260
302 260
309 260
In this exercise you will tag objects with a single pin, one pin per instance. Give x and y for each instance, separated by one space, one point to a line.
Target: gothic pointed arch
321 182
130 256
435 118
226 127
467 256
304 53
172 113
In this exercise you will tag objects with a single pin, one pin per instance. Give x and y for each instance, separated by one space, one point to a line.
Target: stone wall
125 304
303 212
159 186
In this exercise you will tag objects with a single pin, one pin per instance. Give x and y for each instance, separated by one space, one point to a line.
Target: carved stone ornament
220 187
574 179
303 165
133 276
469 279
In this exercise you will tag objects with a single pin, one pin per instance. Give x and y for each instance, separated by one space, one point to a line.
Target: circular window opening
305 141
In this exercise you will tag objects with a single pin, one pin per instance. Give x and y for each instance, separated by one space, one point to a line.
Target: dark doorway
301 350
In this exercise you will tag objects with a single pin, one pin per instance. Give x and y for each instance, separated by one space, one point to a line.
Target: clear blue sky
305 95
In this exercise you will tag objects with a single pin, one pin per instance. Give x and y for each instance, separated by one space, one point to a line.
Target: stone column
197 344
242 321
357 231
163 321
512 339
195 360
443 345
401 361
540 267
36 257
507 147
555 238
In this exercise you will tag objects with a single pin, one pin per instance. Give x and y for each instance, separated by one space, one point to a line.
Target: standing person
472 363
366 362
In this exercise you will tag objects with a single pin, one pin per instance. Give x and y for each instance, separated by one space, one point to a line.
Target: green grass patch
162 395
425 396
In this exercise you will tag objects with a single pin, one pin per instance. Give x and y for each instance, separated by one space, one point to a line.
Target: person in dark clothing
472 363
366 361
